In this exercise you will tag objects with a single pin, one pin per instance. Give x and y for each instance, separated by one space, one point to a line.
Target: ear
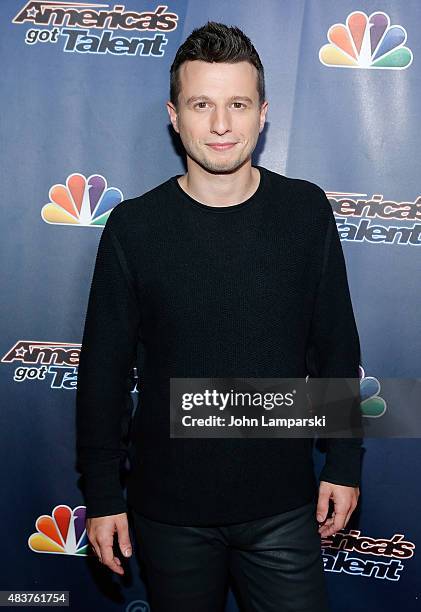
263 111
172 112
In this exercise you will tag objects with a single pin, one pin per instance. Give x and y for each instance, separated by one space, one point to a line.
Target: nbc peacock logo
81 201
372 404
63 532
366 42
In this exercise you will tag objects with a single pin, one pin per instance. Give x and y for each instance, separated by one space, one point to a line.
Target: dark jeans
275 564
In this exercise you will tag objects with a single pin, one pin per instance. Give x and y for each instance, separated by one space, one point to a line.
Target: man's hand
100 532
345 500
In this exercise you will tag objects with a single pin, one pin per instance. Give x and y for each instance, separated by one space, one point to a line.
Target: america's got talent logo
89 27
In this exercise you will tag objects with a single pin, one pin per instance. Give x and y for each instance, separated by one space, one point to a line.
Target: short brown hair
216 42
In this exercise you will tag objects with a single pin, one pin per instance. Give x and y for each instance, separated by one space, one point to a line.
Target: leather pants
275 564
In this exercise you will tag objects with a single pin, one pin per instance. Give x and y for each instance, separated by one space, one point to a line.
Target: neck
220 189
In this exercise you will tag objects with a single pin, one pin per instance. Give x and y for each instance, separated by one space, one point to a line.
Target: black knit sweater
184 289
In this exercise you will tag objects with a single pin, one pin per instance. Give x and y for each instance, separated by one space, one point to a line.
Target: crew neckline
221 209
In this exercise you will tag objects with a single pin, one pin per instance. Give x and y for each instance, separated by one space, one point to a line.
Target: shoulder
295 187
137 211
309 197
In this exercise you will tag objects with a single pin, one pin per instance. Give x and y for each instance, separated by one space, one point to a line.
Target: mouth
222 146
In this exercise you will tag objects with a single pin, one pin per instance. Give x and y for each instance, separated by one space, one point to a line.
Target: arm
334 352
108 353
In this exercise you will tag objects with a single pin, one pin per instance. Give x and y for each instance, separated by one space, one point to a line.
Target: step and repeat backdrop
83 127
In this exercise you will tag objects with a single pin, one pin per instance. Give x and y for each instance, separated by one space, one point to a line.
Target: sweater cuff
103 492
343 462
105 506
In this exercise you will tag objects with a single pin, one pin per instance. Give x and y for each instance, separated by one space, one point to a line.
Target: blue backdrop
84 125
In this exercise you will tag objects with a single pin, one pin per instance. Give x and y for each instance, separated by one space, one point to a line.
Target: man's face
218 103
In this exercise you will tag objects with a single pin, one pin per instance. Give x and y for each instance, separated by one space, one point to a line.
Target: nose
220 121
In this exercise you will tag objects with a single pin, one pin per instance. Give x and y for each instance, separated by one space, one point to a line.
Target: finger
327 530
341 509
109 559
323 529
328 521
348 516
118 564
322 504
334 524
339 519
351 510
123 537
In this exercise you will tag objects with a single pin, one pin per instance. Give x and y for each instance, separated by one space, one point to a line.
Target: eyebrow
194 98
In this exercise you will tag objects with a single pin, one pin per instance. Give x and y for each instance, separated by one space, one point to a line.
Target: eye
198 103
240 104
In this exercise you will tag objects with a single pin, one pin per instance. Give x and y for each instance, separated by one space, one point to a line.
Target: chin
221 166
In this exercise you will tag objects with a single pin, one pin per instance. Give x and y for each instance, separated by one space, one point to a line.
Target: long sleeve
334 350
107 355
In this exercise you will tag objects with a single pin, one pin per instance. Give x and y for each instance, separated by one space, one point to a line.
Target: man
230 270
